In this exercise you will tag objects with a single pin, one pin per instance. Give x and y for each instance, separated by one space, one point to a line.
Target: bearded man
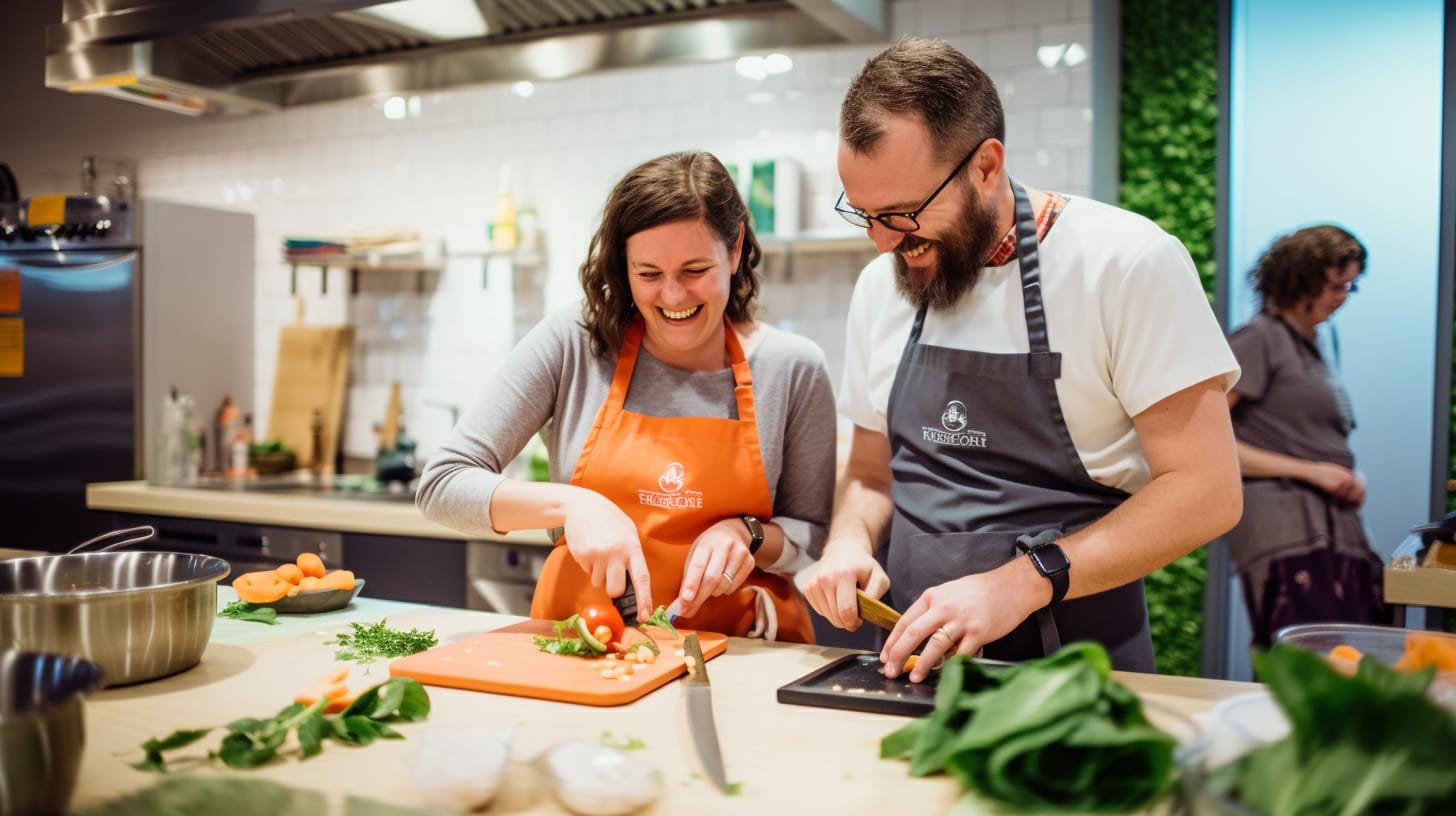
1036 383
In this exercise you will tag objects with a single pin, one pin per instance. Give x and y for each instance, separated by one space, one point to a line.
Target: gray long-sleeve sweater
551 380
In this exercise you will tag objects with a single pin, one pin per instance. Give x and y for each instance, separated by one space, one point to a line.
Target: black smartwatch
1052 563
754 529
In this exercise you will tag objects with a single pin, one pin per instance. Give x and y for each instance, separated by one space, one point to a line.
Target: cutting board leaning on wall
312 374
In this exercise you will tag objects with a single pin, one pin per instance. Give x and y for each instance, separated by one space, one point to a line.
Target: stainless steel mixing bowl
41 729
140 615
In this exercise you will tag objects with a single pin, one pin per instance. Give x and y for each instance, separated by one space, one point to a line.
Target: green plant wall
1169 154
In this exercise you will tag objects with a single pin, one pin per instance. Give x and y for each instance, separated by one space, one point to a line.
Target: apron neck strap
1028 259
632 344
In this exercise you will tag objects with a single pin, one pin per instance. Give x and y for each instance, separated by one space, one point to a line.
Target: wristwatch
754 529
1052 563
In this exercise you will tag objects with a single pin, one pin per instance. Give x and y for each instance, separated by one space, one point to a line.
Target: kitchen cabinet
400 554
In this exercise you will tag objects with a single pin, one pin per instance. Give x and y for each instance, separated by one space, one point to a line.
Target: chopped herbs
251 742
242 610
627 743
369 643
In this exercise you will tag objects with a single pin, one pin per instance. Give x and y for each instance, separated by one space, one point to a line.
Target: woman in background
1300 549
691 446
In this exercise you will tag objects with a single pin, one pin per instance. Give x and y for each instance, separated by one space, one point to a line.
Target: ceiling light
523 89
778 63
751 67
440 19
1075 55
395 108
1050 55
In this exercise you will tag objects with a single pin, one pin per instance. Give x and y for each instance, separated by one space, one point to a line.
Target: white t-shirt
1124 307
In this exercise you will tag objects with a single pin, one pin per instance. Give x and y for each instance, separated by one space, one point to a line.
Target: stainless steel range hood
226 56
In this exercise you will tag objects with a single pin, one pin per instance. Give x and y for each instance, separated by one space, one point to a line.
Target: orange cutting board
506 661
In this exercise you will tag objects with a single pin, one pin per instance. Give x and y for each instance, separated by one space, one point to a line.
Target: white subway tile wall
345 169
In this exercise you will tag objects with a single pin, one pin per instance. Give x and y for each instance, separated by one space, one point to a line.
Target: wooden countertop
399 518
788 759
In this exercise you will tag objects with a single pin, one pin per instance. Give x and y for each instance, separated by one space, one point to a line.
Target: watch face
1050 559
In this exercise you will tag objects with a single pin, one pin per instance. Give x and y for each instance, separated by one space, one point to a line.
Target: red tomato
604 615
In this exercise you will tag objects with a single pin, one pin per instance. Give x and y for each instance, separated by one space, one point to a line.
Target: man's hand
604 543
834 578
962 616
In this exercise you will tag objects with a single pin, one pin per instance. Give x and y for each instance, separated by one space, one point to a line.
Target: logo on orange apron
671 482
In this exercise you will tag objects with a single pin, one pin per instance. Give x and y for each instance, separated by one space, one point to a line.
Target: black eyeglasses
900 221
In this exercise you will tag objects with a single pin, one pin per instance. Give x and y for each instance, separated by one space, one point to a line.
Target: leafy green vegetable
242 610
1369 744
1051 734
252 742
562 645
369 643
659 619
627 743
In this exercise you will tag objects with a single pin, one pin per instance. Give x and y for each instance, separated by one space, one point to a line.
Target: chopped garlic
461 769
596 780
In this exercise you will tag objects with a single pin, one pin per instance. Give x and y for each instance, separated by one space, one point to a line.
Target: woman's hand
1343 484
604 543
718 563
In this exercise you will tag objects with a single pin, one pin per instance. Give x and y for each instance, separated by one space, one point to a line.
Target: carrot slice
333 687
1346 652
260 587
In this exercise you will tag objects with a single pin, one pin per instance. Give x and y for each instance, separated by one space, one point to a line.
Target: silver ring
728 576
945 633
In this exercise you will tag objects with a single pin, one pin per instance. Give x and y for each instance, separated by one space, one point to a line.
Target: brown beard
960 254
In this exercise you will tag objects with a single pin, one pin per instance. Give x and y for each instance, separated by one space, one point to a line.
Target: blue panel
1335 116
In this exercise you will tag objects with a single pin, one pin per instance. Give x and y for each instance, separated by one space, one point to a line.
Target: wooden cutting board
312 373
506 661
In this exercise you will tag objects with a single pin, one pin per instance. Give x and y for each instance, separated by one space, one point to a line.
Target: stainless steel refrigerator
104 306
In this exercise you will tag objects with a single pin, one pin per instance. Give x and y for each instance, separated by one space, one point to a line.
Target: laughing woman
691 446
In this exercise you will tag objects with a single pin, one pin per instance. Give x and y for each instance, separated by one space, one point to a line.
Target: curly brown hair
928 78
1296 266
670 188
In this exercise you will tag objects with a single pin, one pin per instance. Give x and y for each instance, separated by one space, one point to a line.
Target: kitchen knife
876 612
700 713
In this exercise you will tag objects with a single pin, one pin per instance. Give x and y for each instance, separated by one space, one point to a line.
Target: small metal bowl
42 729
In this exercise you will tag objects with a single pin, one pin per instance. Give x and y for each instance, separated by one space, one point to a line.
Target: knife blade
877 612
700 713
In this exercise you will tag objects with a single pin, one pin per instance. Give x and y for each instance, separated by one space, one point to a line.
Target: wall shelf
419 266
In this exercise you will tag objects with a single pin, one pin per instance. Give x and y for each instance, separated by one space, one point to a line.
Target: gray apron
981 456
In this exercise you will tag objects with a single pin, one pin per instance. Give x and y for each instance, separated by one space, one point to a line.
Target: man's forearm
1257 462
862 514
1174 515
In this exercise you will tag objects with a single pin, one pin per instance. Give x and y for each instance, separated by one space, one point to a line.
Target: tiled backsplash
344 168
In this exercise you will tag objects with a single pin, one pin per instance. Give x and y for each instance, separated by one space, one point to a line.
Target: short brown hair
928 78
675 187
1296 266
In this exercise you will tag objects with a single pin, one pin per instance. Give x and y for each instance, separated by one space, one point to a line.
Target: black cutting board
854 682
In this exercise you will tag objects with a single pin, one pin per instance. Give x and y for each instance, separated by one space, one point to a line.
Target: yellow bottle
503 235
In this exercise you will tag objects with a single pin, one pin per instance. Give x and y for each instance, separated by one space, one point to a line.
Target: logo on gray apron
671 483
952 430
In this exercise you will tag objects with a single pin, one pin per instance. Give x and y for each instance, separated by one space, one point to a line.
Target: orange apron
675 477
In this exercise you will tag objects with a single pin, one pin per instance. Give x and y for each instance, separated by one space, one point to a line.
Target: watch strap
1049 559
755 529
